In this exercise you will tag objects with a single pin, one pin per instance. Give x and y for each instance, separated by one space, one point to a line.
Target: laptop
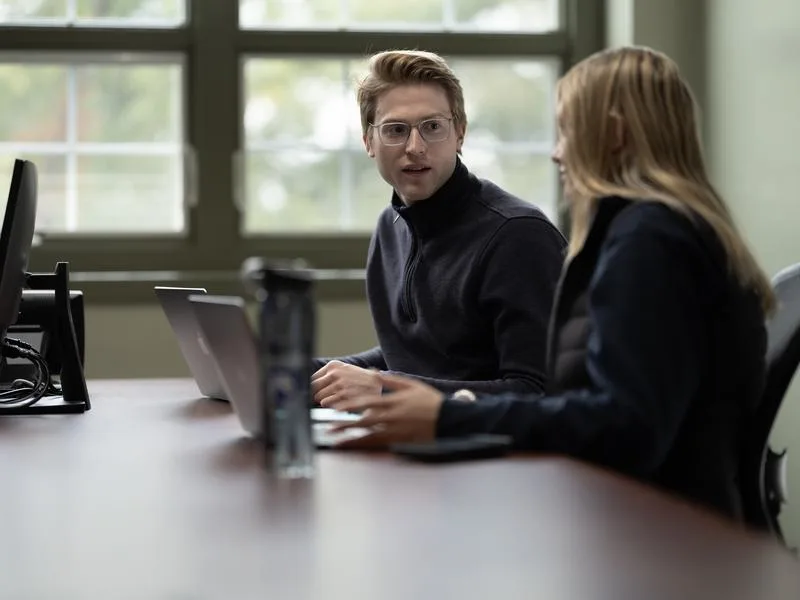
232 343
194 348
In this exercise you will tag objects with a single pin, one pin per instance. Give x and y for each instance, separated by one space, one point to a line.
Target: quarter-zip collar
426 217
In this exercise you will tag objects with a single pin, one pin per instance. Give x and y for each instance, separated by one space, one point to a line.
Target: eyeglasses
431 130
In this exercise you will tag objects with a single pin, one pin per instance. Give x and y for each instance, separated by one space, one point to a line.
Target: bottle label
283 385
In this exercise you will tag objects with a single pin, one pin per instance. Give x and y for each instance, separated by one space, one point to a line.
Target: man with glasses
460 273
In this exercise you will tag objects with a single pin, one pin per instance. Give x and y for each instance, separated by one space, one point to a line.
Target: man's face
415 167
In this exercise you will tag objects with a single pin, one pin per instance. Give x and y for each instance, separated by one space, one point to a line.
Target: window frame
214 46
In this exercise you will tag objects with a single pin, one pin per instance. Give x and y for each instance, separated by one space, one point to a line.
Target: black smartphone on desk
473 447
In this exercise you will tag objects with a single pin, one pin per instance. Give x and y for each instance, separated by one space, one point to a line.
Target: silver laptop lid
193 346
233 344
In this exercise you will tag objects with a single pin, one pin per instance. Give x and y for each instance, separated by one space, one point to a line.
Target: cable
53 389
27 393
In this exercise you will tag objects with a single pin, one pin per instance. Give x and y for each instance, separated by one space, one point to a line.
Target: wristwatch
465 395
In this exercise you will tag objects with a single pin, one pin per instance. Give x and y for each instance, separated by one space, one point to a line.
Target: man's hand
339 382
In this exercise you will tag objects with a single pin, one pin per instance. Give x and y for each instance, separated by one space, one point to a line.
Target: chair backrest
761 468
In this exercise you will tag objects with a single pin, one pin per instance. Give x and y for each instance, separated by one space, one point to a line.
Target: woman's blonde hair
641 93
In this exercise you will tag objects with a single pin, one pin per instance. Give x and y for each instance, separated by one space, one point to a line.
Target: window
109 13
306 168
106 134
186 135
415 15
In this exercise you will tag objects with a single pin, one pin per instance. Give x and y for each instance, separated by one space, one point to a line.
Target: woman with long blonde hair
657 337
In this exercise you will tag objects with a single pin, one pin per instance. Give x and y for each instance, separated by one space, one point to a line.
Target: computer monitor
16 240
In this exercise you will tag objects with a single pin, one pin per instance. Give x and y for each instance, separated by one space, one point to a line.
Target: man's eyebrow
390 119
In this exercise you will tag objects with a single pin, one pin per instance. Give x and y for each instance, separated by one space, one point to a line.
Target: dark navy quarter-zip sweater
656 359
460 287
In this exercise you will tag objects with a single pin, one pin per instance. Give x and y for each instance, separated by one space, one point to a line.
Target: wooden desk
155 494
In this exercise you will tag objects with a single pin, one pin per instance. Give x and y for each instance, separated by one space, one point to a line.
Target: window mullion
347 185
71 171
448 14
214 92
584 21
360 43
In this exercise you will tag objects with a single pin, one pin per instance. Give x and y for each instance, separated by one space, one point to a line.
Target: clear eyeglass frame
396 133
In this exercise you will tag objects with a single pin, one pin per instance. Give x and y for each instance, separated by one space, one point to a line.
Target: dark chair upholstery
763 473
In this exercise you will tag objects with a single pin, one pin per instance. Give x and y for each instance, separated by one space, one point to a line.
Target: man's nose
415 144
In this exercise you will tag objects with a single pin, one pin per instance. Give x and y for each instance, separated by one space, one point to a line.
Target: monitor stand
46 309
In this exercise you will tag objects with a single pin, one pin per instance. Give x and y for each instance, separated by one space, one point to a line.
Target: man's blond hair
392 68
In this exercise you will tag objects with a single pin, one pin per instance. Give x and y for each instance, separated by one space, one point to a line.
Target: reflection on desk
156 494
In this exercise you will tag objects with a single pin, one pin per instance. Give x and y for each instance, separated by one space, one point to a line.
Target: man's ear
368 145
461 131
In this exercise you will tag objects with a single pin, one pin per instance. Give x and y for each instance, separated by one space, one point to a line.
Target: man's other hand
338 381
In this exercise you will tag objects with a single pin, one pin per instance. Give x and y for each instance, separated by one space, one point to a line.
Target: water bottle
287 331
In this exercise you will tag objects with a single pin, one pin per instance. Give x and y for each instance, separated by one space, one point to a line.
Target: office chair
763 474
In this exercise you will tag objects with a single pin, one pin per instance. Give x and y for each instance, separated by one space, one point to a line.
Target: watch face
466 395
